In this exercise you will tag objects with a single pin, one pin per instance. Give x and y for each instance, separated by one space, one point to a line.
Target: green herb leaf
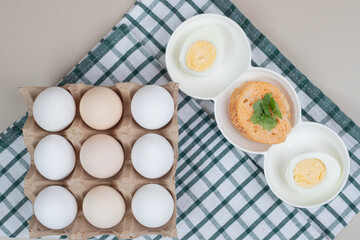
255 118
262 114
266 104
269 123
275 108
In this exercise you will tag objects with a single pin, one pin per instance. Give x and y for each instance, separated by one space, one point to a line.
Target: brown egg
101 108
101 156
104 207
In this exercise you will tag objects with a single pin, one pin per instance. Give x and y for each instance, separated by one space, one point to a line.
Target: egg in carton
126 181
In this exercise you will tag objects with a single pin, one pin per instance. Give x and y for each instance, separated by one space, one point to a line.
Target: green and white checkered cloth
221 191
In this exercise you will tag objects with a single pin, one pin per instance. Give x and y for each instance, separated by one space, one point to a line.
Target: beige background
41 40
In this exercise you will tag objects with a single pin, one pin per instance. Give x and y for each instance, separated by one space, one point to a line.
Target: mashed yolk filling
309 172
200 56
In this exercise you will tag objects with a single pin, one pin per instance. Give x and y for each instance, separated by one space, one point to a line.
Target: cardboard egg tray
126 181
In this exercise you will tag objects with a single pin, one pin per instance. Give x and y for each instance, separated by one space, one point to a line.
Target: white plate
222 115
236 56
306 137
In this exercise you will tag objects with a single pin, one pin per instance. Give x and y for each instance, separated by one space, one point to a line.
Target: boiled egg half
310 172
202 51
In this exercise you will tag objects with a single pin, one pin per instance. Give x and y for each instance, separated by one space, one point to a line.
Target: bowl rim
195 18
344 178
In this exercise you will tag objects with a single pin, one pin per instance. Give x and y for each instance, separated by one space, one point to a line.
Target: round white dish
236 56
222 115
306 137
319 138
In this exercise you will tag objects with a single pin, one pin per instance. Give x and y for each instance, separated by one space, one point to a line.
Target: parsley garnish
262 114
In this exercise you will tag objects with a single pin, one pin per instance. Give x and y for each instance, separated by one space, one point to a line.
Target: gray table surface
41 40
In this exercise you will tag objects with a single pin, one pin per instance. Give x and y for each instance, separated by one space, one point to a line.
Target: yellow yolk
309 172
200 56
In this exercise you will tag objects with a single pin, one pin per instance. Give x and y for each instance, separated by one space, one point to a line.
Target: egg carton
126 181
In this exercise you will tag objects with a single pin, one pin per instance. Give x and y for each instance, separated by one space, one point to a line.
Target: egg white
333 172
211 34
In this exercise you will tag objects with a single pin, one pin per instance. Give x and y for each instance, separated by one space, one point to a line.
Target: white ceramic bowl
222 115
237 56
306 137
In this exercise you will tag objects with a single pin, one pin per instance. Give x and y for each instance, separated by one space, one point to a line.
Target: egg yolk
309 172
200 56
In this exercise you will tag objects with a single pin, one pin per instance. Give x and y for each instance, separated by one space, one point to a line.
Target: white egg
152 107
152 156
104 207
152 205
210 34
55 207
54 157
333 172
54 109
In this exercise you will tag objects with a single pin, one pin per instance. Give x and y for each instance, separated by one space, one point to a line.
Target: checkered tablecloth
221 191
